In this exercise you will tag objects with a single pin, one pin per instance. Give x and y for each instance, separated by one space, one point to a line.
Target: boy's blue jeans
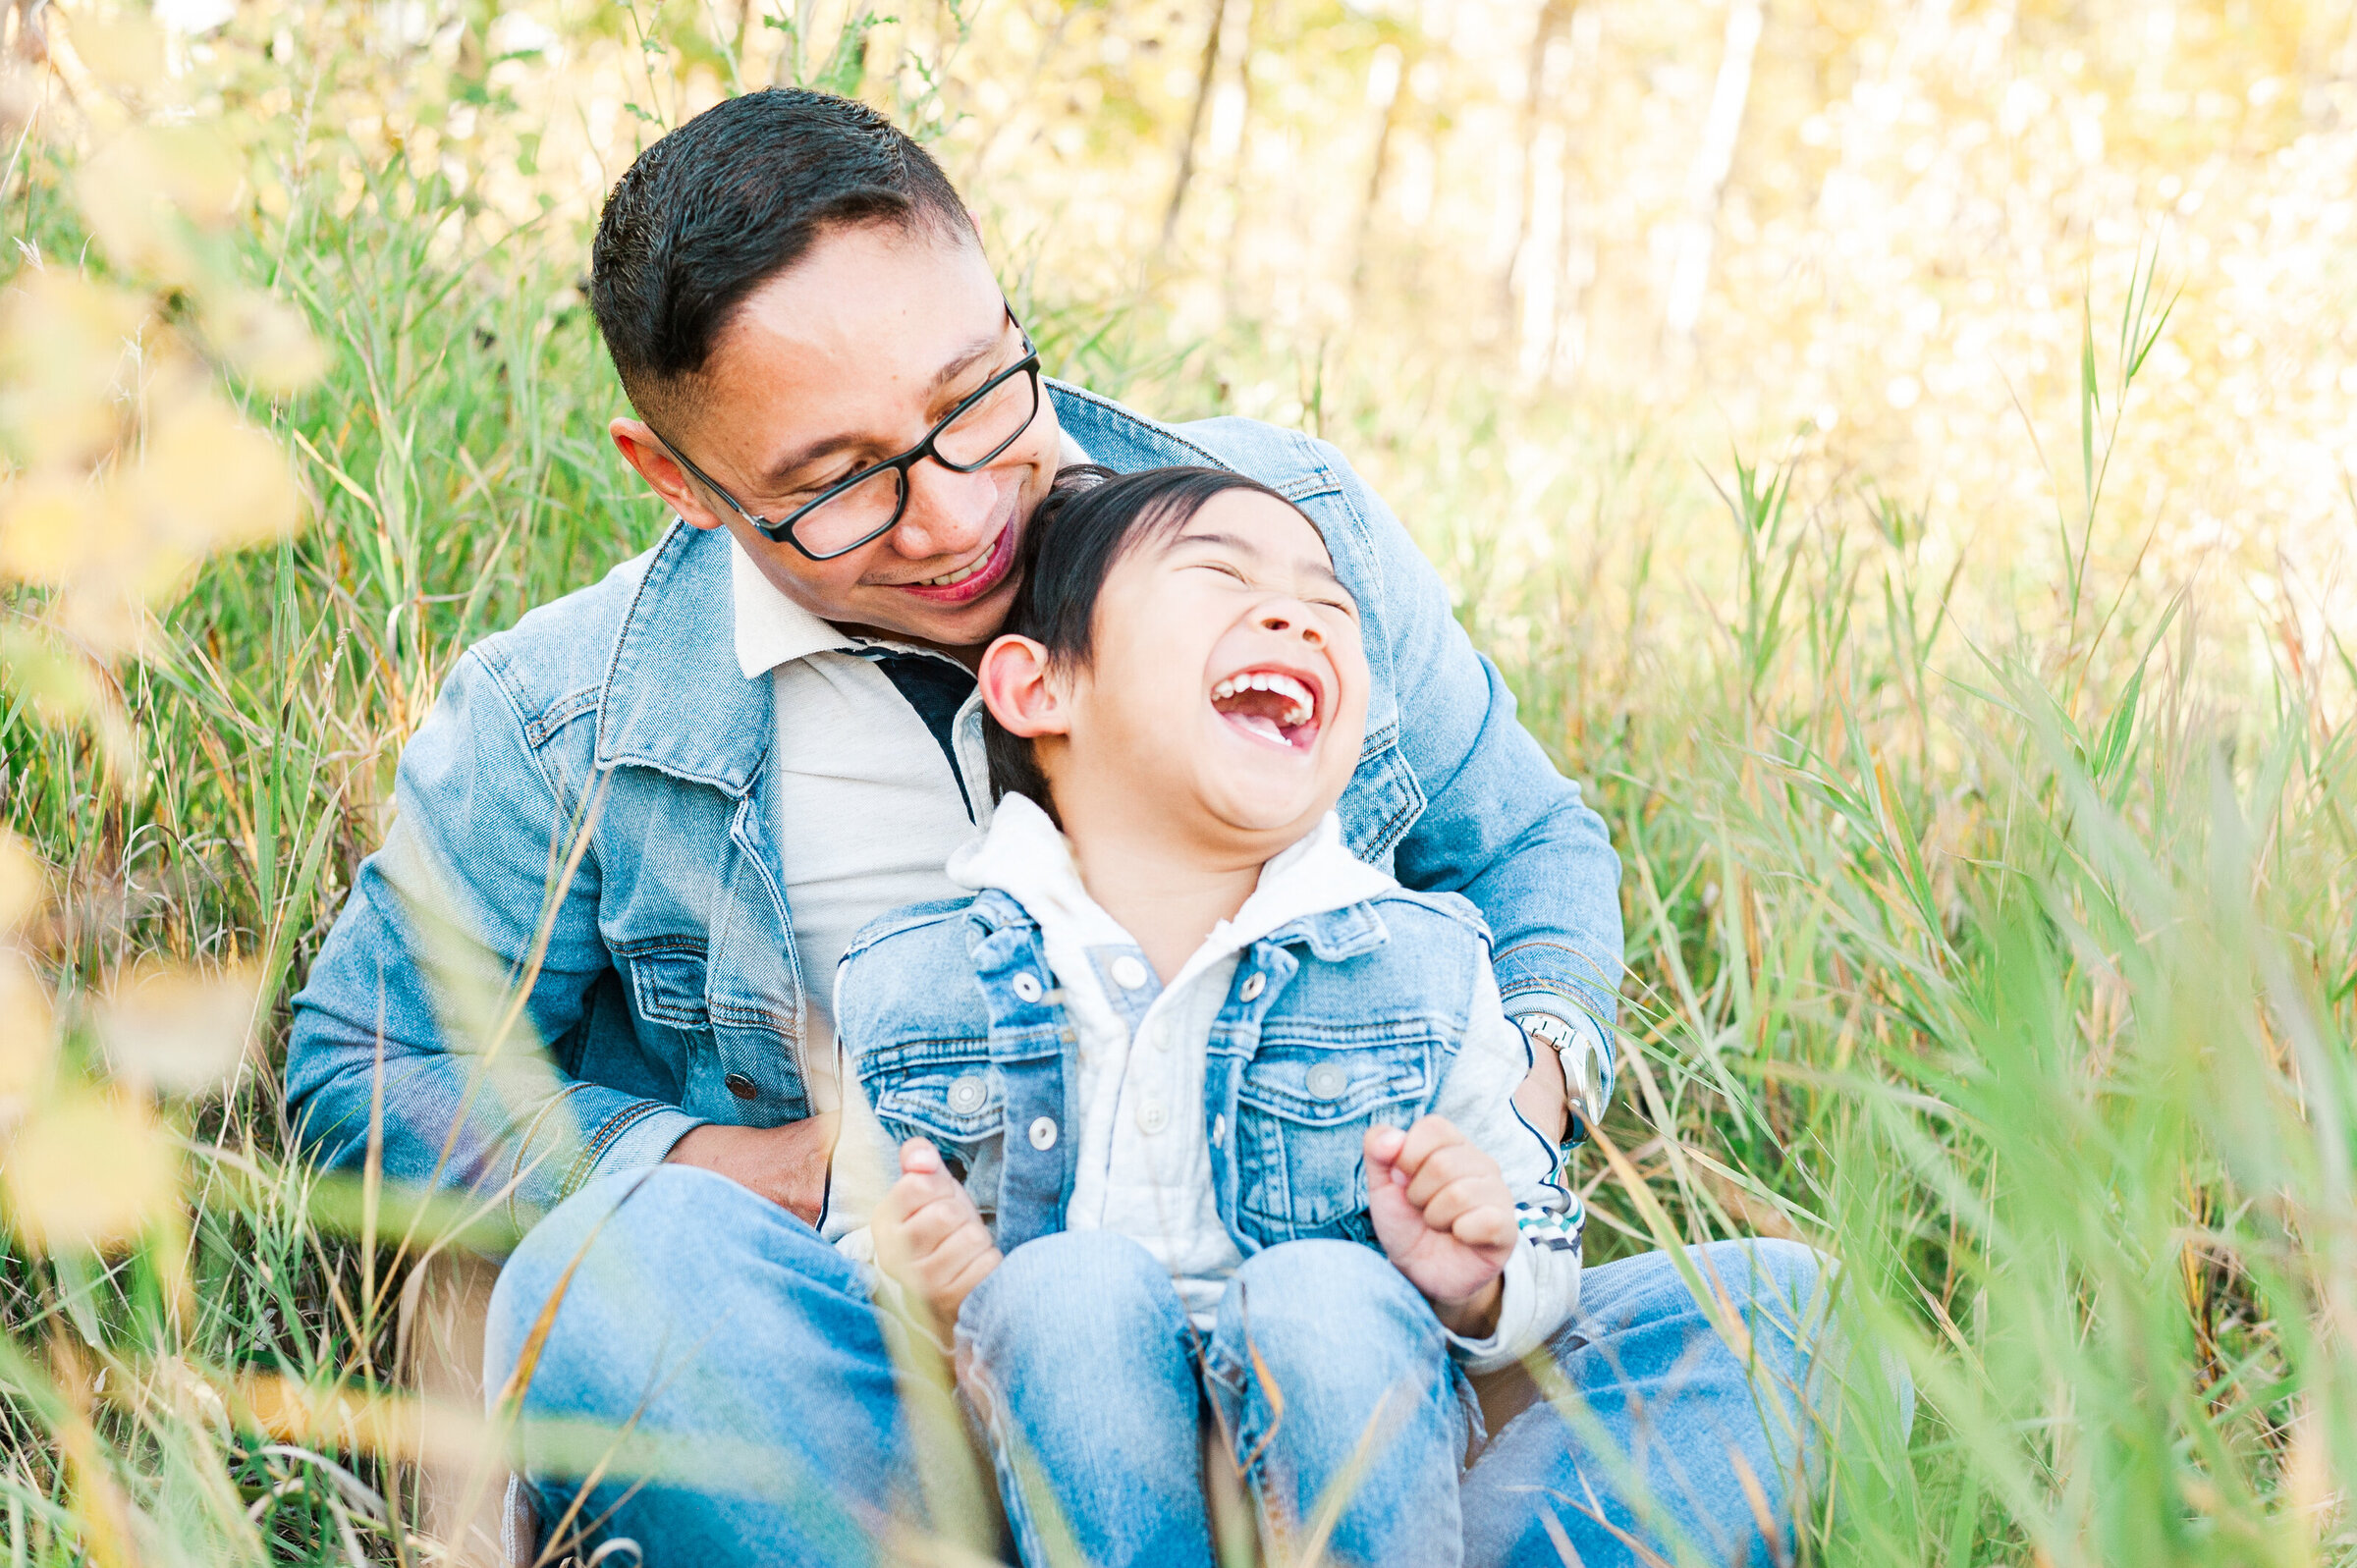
1326 1369
720 1376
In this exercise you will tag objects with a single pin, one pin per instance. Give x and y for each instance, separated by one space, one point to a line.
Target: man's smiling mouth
1275 707
971 580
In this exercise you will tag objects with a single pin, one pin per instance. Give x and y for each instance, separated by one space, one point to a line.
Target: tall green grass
2014 964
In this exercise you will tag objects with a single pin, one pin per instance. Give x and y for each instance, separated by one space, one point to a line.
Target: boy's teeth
1284 685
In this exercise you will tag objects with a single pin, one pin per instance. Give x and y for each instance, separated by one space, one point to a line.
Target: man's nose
947 512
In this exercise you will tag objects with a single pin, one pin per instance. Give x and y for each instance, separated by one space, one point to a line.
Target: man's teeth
952 579
1284 685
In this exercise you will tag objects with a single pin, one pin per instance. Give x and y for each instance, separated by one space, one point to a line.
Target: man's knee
645 1254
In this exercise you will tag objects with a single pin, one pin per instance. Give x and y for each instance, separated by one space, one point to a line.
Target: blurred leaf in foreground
64 342
27 1041
87 1171
208 481
180 1030
153 192
23 882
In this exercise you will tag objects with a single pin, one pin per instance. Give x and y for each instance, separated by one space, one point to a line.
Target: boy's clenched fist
930 1237
1445 1216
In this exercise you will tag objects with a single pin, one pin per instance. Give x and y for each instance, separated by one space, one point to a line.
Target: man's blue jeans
716 1373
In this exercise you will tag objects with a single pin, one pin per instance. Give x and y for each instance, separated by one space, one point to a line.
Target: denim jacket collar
677 652
675 658
1314 891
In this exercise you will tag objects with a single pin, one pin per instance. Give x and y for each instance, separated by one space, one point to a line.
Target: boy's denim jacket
585 821
1337 1020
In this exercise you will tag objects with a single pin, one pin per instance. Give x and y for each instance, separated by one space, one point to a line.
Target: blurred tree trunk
1234 249
1384 79
1554 15
1705 184
1194 125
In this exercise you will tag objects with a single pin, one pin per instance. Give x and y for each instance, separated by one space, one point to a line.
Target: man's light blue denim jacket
583 821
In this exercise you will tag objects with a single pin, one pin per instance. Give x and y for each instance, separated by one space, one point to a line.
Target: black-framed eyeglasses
867 504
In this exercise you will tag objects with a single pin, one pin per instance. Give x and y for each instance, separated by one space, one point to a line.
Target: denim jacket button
1326 1080
1130 972
1219 1130
1026 986
1043 1133
740 1086
1252 988
966 1094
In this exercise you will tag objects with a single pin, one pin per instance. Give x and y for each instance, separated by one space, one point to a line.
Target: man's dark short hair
731 199
1089 519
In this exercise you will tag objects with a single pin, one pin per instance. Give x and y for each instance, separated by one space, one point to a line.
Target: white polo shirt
869 809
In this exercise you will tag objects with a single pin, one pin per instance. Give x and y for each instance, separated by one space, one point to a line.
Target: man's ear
643 451
1017 691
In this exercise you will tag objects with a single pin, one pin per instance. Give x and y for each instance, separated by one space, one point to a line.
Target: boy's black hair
1081 528
728 200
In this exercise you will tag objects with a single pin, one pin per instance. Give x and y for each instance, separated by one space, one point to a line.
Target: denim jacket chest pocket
1303 1106
942 1090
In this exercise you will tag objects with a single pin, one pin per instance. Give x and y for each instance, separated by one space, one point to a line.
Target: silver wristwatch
1587 1081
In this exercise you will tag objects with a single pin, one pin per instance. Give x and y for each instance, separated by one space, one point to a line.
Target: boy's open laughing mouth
1274 705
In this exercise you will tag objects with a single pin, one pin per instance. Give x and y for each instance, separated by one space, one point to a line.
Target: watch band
1587 1076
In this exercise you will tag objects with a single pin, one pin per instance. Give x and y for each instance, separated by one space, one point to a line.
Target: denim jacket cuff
640 1137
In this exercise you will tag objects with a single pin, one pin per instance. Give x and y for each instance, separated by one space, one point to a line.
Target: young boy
1193 1101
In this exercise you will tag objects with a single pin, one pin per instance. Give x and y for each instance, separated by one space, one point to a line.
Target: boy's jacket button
1026 986
740 1086
1253 987
1130 972
1043 1133
1326 1080
1219 1131
966 1094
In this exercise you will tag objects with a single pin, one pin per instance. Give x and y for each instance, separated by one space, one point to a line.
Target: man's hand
930 1237
786 1164
1446 1219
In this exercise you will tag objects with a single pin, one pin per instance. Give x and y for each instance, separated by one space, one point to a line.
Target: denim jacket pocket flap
961 1109
667 986
943 1089
1327 1088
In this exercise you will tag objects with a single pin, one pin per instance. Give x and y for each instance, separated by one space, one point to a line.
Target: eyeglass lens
975 434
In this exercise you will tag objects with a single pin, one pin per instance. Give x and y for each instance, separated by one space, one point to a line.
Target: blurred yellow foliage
180 1030
125 51
88 1170
152 193
65 345
28 1041
23 882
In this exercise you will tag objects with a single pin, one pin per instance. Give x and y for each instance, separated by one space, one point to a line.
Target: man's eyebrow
954 366
963 361
1245 546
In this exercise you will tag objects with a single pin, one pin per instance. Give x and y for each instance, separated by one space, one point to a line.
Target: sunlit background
1903 456
1527 236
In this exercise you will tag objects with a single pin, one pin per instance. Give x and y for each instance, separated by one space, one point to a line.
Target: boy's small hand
1446 1219
930 1237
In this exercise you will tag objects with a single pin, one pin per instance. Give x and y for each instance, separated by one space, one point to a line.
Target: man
655 812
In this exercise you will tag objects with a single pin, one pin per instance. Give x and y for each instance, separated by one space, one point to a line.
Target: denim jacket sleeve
418 975
1500 825
1542 1272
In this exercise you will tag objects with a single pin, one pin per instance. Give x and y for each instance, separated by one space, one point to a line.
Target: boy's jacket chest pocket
1302 1114
942 1091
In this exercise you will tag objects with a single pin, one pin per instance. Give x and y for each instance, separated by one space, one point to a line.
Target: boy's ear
1016 688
